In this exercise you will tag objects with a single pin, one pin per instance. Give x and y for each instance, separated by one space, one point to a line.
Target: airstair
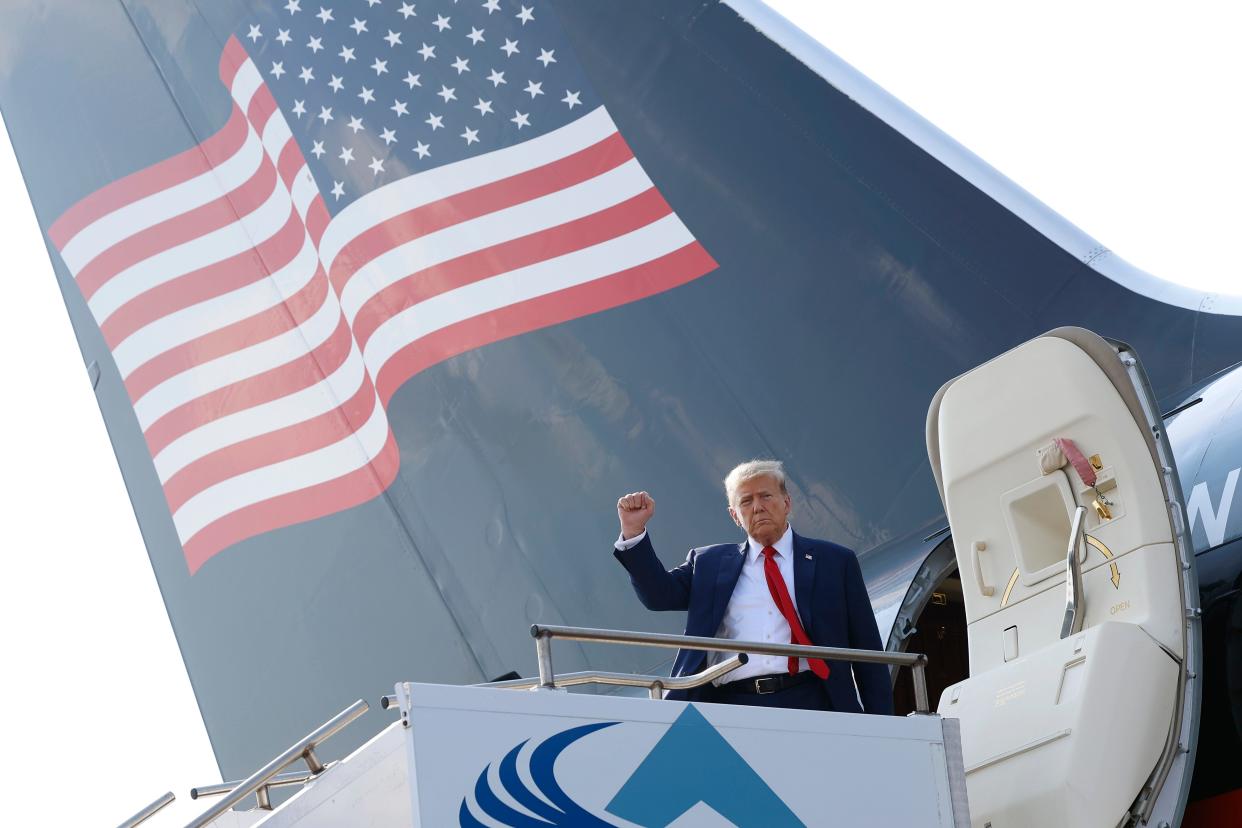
529 753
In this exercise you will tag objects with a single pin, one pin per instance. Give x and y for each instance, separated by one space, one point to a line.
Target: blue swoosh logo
691 763
563 812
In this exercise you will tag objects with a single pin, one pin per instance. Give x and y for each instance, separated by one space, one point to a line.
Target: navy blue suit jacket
828 589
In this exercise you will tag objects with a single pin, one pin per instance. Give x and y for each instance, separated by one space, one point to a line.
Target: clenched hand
634 510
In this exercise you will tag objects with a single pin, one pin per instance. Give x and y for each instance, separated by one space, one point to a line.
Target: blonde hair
752 469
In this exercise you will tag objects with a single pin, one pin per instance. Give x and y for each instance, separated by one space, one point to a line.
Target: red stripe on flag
154 179
273 447
272 384
261 107
345 492
317 219
289 162
621 218
581 166
260 327
183 228
208 282
231 60
682 265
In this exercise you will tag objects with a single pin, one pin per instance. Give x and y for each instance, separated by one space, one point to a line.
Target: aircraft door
1081 707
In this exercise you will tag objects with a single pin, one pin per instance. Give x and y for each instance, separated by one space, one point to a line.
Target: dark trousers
810 695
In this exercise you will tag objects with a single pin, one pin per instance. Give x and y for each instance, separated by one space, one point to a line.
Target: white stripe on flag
441 182
574 202
208 249
320 466
214 374
275 135
581 266
245 83
133 218
182 326
231 429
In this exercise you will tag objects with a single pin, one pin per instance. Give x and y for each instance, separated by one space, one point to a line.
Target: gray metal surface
149 811
277 781
917 662
957 772
303 749
653 683
1075 602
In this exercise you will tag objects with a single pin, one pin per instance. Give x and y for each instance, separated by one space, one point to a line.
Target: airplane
887 236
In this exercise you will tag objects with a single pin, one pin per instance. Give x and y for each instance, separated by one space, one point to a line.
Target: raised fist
634 510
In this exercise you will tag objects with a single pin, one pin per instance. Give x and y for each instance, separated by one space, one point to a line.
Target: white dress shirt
752 615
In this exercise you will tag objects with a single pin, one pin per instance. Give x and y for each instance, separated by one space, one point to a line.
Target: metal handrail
149 811
277 781
1075 601
304 748
543 635
654 684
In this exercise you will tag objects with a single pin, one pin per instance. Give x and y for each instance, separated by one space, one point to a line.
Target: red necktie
780 594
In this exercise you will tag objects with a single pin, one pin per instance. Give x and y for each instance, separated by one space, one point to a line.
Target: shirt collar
783 547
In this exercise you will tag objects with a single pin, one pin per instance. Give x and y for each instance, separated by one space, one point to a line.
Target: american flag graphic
397 183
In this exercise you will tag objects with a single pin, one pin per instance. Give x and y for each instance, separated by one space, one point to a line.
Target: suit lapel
804 580
726 580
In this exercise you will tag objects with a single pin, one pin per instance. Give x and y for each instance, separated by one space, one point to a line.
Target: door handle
975 548
1075 602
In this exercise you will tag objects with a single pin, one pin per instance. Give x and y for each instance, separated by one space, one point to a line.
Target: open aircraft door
1078 575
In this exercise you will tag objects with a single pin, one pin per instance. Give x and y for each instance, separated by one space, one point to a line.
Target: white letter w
1214 520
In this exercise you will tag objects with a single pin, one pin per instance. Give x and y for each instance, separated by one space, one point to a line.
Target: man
742 591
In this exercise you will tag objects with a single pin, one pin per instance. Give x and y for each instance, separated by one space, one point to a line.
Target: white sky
1122 116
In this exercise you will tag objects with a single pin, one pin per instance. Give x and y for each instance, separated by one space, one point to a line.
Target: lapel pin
808 557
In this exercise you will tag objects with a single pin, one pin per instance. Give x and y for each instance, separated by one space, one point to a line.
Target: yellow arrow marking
1013 579
1114 572
1108 555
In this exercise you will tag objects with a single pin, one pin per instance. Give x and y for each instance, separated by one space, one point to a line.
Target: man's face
761 508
